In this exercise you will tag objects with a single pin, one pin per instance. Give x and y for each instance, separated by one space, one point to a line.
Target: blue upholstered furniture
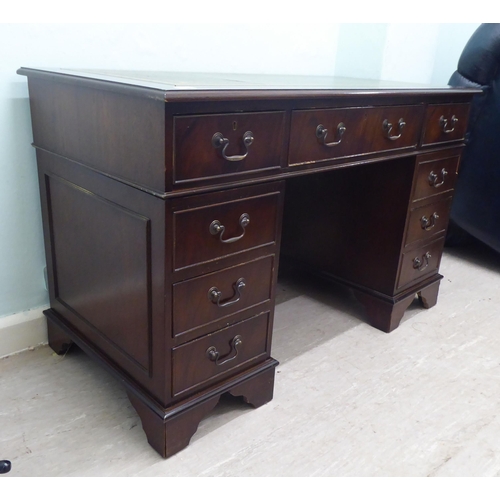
476 206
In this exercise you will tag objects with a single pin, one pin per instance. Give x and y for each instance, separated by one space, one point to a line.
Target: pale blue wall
21 248
266 48
360 50
423 53
406 52
451 40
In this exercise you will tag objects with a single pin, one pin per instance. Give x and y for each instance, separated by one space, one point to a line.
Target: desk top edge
172 86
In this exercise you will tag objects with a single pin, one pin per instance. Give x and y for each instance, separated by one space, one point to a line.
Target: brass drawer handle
433 178
219 141
215 295
443 123
217 228
387 126
321 133
429 223
421 264
214 355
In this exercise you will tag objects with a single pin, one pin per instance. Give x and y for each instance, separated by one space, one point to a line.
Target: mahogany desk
167 198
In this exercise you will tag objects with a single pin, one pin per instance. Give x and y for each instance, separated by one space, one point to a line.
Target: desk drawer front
224 351
328 134
343 129
427 221
394 127
435 176
421 262
209 298
445 122
209 146
213 231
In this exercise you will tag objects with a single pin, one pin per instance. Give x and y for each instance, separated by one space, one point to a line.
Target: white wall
425 53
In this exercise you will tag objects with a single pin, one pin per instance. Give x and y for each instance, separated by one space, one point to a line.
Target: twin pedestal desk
168 198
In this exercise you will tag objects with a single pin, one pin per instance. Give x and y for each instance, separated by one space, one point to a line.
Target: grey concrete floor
349 400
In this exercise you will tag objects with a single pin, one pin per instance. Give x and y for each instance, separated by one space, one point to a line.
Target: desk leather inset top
167 199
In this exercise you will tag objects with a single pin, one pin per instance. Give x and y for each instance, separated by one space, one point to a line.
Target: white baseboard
21 331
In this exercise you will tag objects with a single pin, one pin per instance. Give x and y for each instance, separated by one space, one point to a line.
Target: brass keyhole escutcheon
235 125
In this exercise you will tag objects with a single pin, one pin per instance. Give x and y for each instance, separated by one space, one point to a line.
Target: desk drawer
428 220
445 122
227 145
221 294
215 226
421 262
224 351
327 134
435 176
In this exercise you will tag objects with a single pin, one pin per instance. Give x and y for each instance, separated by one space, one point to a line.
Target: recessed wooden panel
350 223
192 366
195 157
101 261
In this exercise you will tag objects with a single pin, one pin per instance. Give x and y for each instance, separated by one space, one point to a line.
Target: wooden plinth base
385 313
169 430
59 341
